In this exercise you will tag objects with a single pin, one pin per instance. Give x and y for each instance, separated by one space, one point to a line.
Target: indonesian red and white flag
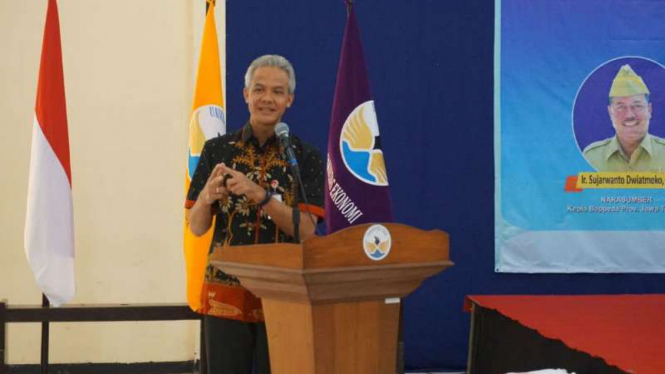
49 225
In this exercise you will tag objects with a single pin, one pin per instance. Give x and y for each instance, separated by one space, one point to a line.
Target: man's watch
266 200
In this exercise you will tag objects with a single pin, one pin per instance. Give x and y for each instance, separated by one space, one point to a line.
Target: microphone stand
297 186
296 211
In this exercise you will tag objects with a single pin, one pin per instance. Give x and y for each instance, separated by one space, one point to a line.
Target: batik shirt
241 222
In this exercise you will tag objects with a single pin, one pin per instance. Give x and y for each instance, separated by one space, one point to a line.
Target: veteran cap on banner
627 83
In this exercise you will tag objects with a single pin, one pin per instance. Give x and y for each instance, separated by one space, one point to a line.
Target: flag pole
400 321
203 352
208 4
45 337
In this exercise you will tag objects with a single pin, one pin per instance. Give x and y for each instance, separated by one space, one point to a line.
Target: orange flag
207 121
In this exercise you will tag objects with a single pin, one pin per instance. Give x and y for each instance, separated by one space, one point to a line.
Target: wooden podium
329 307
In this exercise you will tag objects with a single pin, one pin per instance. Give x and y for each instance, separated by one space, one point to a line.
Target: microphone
282 132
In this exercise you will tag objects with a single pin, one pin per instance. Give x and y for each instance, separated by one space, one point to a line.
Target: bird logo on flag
360 146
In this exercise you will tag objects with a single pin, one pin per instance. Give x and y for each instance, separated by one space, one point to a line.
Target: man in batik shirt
244 181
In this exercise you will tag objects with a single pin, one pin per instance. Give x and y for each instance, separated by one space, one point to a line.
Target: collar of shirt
615 146
247 136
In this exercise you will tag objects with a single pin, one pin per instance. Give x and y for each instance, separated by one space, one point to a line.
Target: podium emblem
377 242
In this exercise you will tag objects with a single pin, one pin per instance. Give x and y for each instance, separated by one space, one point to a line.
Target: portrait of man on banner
632 148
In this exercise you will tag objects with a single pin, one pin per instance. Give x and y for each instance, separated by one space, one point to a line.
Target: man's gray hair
276 61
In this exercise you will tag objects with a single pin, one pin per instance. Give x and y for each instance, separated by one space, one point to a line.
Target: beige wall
130 68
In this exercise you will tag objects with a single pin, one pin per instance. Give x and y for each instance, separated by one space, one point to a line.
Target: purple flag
356 180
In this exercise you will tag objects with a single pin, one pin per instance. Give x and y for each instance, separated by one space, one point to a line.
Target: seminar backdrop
430 64
554 66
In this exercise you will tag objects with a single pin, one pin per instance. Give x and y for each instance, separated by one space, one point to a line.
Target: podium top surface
345 248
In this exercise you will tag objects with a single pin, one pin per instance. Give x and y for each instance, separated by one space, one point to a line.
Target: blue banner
579 128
